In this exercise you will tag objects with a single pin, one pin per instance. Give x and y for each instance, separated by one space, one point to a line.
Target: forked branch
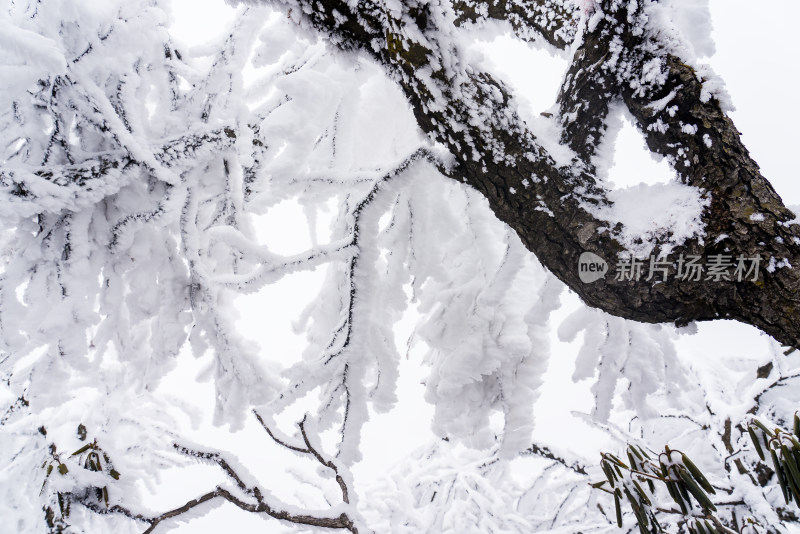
556 208
251 499
309 449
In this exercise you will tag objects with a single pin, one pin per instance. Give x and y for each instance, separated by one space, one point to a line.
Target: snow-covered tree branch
558 207
135 178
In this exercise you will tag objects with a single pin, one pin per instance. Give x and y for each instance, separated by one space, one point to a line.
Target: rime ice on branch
131 169
624 51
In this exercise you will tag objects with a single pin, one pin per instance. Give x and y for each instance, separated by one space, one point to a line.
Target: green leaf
82 449
618 508
619 462
643 496
93 462
684 492
796 425
632 460
766 430
115 475
62 468
698 525
609 473
672 487
697 474
664 472
756 444
695 490
793 473
637 510
776 465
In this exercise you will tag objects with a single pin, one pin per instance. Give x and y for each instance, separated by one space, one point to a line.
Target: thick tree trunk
549 206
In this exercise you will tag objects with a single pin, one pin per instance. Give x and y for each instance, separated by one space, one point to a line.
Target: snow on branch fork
249 498
554 207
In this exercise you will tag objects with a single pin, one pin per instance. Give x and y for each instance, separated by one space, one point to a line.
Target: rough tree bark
617 55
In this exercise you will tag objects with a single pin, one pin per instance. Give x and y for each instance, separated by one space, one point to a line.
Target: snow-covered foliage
132 174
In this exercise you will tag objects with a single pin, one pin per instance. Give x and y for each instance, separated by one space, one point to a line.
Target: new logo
591 267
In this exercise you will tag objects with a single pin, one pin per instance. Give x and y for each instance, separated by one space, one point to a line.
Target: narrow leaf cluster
783 448
90 457
668 484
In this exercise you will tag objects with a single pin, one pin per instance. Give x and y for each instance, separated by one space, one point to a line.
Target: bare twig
311 450
327 463
275 438
217 459
545 452
340 522
343 521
